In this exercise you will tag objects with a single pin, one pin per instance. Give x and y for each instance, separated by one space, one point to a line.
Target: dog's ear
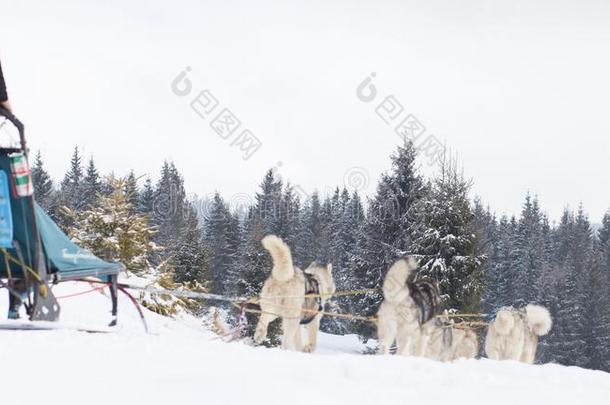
313 265
329 268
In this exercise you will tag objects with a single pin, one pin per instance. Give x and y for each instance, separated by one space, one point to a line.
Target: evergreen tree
146 198
221 236
604 241
132 192
528 254
596 310
562 240
344 228
254 260
191 261
354 220
72 193
268 203
343 232
444 237
601 280
169 206
310 236
43 187
485 229
289 221
575 243
92 184
263 219
332 213
500 291
386 231
328 227
112 232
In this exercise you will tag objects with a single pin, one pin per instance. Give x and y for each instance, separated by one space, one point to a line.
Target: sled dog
407 305
284 296
443 341
514 333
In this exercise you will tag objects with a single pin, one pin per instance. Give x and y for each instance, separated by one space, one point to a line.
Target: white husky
283 296
444 341
513 335
398 318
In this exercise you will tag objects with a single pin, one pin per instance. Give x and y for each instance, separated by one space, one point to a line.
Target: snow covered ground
180 362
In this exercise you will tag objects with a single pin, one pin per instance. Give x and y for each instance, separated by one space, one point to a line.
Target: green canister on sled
21 175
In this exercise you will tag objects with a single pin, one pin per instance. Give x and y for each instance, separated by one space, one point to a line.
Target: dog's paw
309 349
259 336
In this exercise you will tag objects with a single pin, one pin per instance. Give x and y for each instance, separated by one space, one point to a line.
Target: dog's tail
396 279
504 322
283 269
538 319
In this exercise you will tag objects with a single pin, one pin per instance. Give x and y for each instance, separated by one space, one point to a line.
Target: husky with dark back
406 307
284 295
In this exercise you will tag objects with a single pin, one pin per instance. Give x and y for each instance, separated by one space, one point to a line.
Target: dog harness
426 297
313 305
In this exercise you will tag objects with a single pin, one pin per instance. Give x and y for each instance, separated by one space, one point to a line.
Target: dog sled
34 252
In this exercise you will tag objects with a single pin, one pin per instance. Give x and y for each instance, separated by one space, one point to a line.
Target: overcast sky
518 89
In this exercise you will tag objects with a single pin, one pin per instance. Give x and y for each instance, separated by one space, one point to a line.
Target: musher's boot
14 303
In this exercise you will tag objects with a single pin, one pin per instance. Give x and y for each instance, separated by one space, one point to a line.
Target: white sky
519 90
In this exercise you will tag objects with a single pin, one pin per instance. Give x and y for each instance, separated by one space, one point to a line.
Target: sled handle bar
18 124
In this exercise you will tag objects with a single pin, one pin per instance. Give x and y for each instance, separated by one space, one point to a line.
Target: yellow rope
470 325
456 315
310 311
7 264
344 293
257 300
372 319
319 295
43 289
8 256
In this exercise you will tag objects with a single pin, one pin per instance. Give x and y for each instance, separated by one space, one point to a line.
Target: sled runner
18 324
34 252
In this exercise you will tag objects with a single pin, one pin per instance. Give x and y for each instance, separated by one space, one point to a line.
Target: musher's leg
113 296
14 303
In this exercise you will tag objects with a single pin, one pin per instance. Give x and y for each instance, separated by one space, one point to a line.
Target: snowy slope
182 363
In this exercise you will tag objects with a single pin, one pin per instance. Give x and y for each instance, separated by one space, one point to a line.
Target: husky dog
406 306
284 296
513 335
443 341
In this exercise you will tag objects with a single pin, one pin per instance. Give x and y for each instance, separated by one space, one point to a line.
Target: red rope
121 288
82 292
136 304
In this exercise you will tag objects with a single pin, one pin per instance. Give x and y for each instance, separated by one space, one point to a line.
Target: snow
181 362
